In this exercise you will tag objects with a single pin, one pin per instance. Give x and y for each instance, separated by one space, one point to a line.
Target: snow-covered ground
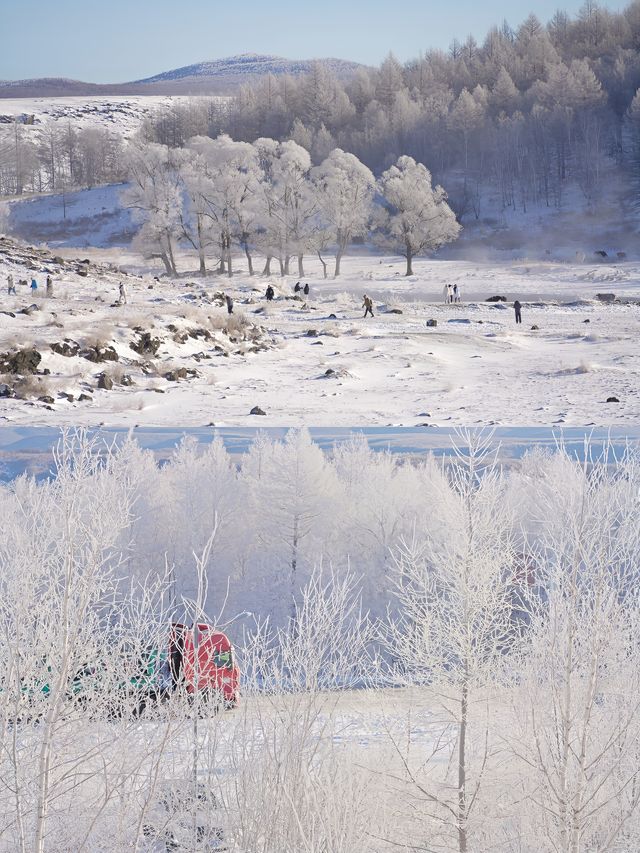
123 113
300 365
79 219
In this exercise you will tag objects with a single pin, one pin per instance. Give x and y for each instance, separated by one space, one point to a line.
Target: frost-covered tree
577 707
154 193
453 629
289 208
345 189
229 183
416 217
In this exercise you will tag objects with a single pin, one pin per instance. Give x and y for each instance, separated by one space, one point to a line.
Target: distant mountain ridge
216 77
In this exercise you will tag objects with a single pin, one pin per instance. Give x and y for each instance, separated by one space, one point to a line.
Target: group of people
11 285
270 292
451 293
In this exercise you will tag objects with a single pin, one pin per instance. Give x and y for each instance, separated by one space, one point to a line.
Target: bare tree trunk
462 766
300 266
281 267
166 262
294 564
203 262
287 262
249 258
324 265
267 266
409 257
227 252
339 255
172 260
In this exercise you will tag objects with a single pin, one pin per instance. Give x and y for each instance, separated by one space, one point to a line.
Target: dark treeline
521 117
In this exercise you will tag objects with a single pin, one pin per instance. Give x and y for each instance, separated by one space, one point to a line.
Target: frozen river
30 449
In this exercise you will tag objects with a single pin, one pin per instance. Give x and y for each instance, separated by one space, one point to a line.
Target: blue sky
119 40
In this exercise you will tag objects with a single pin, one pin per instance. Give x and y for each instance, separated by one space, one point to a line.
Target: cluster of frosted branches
475 688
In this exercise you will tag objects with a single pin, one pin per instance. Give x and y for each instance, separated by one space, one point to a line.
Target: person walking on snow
456 293
445 293
49 286
270 293
306 289
11 288
229 302
517 308
367 304
34 286
297 288
122 297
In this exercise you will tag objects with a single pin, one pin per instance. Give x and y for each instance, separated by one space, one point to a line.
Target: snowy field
300 365
123 113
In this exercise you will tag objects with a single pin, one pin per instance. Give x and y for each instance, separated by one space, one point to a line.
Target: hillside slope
217 76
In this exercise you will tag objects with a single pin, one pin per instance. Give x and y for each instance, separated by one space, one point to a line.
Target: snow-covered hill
250 64
217 76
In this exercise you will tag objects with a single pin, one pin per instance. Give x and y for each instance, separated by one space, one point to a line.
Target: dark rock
82 271
21 362
330 372
127 380
30 309
312 333
606 297
393 311
463 320
46 399
159 390
612 400
146 344
496 299
317 344
105 382
85 398
535 328
178 373
66 396
332 317
432 323
68 348
257 411
198 332
586 321
86 262
6 390
99 354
